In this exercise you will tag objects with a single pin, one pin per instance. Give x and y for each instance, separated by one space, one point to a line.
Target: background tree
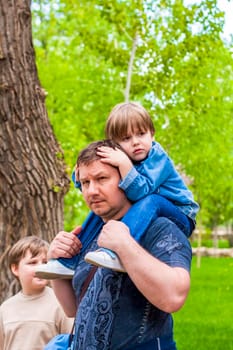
33 180
182 73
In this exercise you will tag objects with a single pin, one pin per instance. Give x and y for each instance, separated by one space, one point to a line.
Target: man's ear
14 270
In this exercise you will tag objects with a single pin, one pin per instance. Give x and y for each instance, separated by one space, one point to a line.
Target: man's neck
118 215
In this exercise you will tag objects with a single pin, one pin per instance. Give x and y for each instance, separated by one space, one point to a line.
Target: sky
227 6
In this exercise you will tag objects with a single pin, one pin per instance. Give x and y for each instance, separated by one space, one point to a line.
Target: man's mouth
96 201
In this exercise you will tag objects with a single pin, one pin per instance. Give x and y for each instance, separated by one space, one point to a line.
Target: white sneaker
102 257
52 270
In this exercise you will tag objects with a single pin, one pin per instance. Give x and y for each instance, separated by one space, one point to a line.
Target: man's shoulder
166 241
163 227
163 223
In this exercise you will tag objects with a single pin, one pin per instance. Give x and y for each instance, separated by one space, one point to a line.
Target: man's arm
65 295
165 286
66 245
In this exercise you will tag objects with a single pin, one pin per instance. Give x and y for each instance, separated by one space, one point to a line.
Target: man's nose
92 188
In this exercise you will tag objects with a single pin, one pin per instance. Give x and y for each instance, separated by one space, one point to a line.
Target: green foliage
205 321
223 243
76 210
182 73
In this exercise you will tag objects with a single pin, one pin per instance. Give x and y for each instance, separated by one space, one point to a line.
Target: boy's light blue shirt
157 174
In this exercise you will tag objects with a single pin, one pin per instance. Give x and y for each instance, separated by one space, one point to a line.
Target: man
123 311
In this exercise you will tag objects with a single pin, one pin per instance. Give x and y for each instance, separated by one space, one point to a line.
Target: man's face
100 190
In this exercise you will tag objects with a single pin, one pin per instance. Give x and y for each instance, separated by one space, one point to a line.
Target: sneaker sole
51 275
100 264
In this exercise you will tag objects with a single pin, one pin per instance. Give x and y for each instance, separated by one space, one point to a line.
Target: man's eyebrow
82 178
97 174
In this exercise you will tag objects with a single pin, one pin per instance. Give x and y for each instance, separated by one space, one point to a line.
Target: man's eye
102 178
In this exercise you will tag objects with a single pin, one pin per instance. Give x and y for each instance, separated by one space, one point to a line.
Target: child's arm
117 158
148 176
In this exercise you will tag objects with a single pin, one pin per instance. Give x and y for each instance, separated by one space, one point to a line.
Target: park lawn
206 320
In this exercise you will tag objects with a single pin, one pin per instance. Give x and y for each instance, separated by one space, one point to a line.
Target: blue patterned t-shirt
113 314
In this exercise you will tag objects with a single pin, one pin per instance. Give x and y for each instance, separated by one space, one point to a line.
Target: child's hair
34 244
126 117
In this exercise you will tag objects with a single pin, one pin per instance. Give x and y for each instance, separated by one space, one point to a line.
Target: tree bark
33 179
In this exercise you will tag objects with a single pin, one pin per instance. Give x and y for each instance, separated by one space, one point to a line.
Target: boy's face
136 144
25 271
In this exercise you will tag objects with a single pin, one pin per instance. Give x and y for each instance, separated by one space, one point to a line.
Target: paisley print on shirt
99 328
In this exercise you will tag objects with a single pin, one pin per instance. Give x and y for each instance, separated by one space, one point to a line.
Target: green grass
206 320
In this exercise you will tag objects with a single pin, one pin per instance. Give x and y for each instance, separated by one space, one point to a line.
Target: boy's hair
34 244
125 117
89 154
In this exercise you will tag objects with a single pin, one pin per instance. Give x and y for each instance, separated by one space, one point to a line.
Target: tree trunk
33 179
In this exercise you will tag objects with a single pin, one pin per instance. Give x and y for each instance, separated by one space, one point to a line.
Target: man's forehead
95 168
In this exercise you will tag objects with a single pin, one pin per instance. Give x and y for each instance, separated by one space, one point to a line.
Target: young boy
29 319
145 168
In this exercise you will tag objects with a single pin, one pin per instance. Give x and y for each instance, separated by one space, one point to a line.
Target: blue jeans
138 219
164 208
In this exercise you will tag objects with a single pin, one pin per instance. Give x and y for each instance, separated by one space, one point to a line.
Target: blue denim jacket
113 314
157 174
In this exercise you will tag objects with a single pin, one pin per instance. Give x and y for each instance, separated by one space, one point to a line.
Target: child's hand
114 157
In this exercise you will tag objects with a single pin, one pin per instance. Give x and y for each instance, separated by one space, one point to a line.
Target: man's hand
113 234
164 286
65 244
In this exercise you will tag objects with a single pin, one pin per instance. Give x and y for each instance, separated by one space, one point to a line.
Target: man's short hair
89 154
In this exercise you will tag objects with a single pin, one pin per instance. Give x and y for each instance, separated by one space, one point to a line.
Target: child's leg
138 218
164 208
140 215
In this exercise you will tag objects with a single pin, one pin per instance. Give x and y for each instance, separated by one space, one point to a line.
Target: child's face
137 144
25 271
